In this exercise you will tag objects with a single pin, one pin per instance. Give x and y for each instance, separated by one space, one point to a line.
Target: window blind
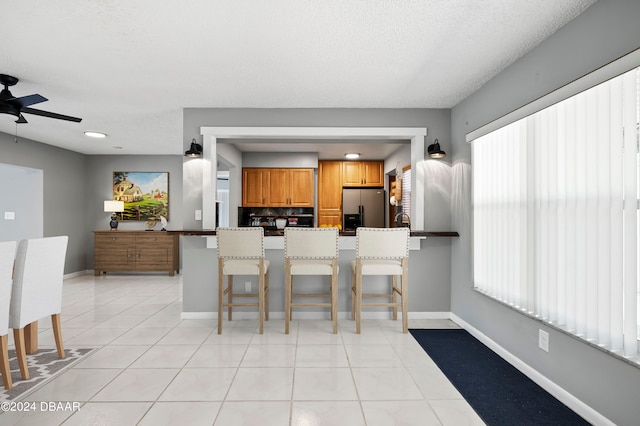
556 214
222 197
406 191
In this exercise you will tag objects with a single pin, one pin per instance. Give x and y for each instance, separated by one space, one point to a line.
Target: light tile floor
152 368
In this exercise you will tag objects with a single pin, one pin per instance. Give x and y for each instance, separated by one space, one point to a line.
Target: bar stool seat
381 251
241 252
311 251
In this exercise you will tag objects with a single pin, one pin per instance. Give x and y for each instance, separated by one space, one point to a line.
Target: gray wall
64 201
99 187
604 32
307 160
75 186
437 121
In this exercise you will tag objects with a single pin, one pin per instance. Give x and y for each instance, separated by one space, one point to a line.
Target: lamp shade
113 206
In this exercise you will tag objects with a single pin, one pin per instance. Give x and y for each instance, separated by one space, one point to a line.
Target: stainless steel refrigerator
363 207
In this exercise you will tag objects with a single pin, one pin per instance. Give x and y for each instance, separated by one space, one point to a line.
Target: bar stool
381 251
241 252
7 258
311 251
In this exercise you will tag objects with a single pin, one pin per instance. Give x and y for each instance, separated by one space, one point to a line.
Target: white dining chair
7 257
311 251
381 251
37 293
241 252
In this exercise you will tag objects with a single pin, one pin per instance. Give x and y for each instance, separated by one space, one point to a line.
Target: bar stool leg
287 297
266 296
358 295
405 294
220 294
334 297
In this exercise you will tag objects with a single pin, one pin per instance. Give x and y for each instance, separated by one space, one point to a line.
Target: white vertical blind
406 190
556 219
222 197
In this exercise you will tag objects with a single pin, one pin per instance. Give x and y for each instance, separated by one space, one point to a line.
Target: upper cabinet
301 187
255 187
271 187
363 173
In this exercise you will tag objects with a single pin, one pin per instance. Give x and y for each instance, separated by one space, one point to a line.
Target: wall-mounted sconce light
195 150
435 151
114 207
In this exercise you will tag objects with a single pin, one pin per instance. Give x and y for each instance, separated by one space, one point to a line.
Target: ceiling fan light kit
11 105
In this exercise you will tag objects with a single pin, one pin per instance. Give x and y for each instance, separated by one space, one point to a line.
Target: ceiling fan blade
25 101
50 114
21 120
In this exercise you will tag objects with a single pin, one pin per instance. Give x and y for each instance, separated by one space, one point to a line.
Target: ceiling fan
9 104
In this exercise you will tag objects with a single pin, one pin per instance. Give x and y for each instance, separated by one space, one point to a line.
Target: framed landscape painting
145 195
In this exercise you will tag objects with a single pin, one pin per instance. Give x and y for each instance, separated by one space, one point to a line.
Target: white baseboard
200 315
317 315
78 274
559 393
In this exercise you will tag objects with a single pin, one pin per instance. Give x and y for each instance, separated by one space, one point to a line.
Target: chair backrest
7 256
382 243
243 243
37 280
311 243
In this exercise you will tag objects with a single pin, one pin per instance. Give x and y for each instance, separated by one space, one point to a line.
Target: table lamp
113 207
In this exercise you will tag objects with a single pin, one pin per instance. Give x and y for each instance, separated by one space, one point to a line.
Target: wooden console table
136 251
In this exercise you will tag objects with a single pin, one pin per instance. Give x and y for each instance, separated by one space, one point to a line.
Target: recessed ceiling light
95 134
352 155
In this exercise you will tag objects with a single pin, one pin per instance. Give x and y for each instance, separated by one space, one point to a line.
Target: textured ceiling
128 68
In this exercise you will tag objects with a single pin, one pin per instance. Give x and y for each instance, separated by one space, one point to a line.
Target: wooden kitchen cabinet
277 187
255 187
139 251
329 192
301 188
363 173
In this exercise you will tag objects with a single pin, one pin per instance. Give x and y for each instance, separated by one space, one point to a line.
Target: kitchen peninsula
428 283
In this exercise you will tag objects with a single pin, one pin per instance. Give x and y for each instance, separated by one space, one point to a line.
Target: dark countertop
277 233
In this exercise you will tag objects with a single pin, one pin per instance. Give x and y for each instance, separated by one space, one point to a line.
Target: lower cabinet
136 251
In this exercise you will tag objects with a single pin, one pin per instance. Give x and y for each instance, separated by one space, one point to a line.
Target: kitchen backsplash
266 216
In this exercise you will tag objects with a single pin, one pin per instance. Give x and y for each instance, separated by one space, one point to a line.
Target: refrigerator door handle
361 209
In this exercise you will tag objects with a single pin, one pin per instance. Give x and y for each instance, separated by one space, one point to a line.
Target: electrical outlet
198 214
543 340
9 215
247 287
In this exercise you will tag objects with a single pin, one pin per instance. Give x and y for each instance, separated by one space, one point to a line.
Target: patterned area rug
43 366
